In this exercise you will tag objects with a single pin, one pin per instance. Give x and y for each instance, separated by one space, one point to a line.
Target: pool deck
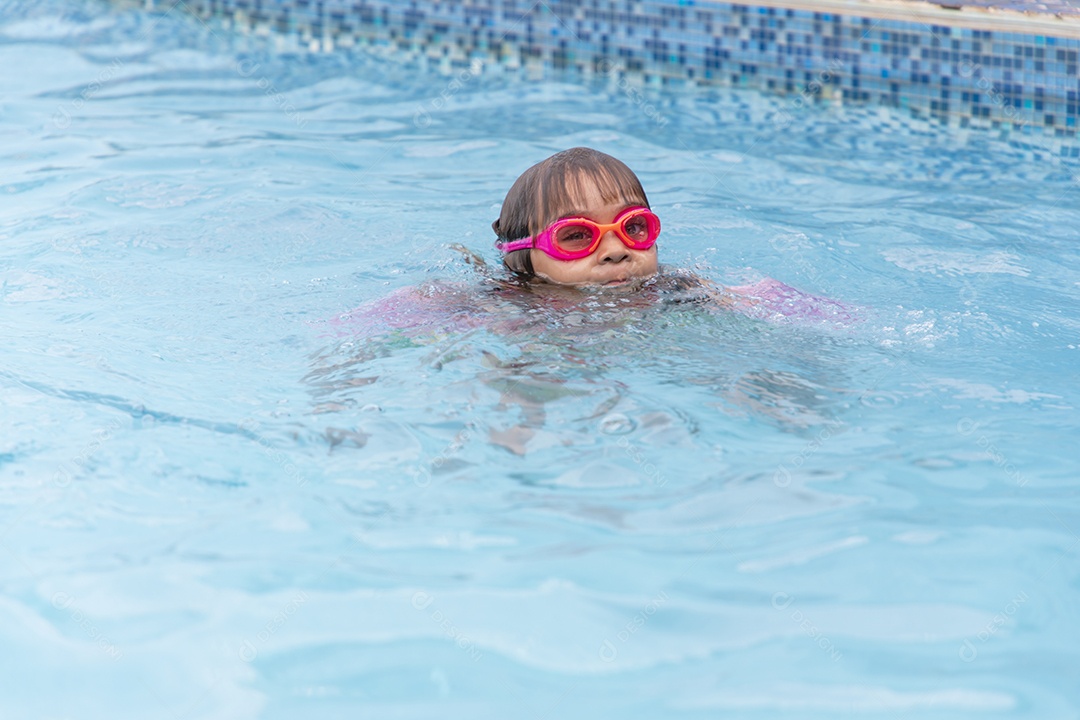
1060 7
1056 18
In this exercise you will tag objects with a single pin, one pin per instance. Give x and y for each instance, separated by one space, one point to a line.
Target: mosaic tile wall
1023 82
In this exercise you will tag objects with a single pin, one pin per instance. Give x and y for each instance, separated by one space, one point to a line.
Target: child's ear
495 227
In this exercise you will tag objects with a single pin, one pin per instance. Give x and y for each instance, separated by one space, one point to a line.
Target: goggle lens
641 228
574 238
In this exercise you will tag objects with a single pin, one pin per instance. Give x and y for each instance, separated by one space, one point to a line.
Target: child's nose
611 248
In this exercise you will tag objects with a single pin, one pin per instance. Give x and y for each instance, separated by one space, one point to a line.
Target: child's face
612 265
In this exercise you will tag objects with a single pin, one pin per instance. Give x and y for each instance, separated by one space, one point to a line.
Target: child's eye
573 238
637 228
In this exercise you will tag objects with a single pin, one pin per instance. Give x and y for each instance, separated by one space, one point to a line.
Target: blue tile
720 44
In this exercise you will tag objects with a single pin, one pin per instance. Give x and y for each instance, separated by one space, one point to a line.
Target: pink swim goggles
575 238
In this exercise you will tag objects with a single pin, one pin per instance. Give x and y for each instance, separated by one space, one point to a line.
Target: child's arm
430 308
772 299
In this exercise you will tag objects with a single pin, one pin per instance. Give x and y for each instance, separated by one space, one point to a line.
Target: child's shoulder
414 306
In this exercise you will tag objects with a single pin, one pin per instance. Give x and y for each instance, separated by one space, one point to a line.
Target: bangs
565 191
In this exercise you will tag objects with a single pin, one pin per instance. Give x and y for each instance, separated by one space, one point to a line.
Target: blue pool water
217 503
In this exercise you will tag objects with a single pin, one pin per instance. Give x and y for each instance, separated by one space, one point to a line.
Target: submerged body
577 342
436 308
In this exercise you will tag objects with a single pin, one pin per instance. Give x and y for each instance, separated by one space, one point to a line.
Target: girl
580 218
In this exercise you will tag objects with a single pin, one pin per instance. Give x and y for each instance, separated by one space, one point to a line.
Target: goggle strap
511 245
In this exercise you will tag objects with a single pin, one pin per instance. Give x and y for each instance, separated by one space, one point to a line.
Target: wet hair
550 189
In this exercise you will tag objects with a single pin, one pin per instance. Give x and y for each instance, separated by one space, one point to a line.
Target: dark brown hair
550 189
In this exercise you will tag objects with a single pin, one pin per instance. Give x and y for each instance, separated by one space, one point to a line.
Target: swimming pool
214 505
